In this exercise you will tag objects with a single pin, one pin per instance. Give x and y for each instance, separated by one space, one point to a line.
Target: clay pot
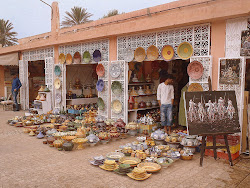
58 143
50 140
40 135
68 146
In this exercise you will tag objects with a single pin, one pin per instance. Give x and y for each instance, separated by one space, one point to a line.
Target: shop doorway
36 78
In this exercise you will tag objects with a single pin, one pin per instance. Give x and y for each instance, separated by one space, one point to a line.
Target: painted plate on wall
195 70
69 59
185 50
62 58
100 70
77 58
100 85
100 103
57 83
115 70
86 57
152 53
116 87
97 56
129 55
116 106
140 54
57 70
167 53
195 87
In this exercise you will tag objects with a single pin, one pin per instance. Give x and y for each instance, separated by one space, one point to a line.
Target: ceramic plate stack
195 70
185 50
61 58
77 58
150 167
86 57
195 87
152 53
167 53
109 165
115 156
140 54
123 169
99 160
69 59
132 161
139 174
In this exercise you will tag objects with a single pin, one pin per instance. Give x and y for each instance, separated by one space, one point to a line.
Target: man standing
16 84
165 97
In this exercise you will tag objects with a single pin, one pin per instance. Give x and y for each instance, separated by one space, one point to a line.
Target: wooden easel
214 147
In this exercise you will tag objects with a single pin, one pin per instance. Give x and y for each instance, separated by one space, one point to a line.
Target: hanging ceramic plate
140 54
97 56
86 57
100 70
77 58
69 59
152 53
195 70
195 87
115 70
61 58
129 55
185 50
116 87
57 70
57 83
58 98
100 85
116 106
100 103
167 53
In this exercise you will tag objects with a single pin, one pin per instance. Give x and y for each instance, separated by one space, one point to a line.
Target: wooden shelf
140 83
144 95
81 101
140 109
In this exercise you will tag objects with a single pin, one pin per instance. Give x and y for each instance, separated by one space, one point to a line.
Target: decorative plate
116 87
86 57
116 106
69 59
129 55
61 58
100 70
152 53
195 70
97 56
115 70
130 160
100 85
58 98
167 53
131 175
57 83
150 167
114 155
77 58
100 103
185 50
195 87
140 54
57 70
109 169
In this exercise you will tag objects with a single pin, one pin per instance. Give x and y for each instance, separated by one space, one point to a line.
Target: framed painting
245 43
211 112
229 71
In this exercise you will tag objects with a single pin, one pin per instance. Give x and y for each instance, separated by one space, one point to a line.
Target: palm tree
7 37
77 15
111 13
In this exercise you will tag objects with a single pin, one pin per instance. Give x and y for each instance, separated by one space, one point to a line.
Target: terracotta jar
50 140
58 143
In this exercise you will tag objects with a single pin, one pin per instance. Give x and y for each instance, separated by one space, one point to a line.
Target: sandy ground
26 162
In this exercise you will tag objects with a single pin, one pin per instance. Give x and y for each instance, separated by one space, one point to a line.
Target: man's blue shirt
16 84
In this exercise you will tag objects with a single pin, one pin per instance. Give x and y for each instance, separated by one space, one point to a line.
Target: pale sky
32 17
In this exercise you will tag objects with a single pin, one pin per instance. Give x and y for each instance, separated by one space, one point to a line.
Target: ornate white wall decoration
39 54
198 36
49 76
102 45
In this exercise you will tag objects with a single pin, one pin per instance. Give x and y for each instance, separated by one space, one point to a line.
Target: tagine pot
68 146
40 135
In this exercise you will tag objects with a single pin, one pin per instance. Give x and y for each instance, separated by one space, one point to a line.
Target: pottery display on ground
68 146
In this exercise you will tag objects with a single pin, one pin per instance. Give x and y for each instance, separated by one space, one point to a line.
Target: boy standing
165 97
16 84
